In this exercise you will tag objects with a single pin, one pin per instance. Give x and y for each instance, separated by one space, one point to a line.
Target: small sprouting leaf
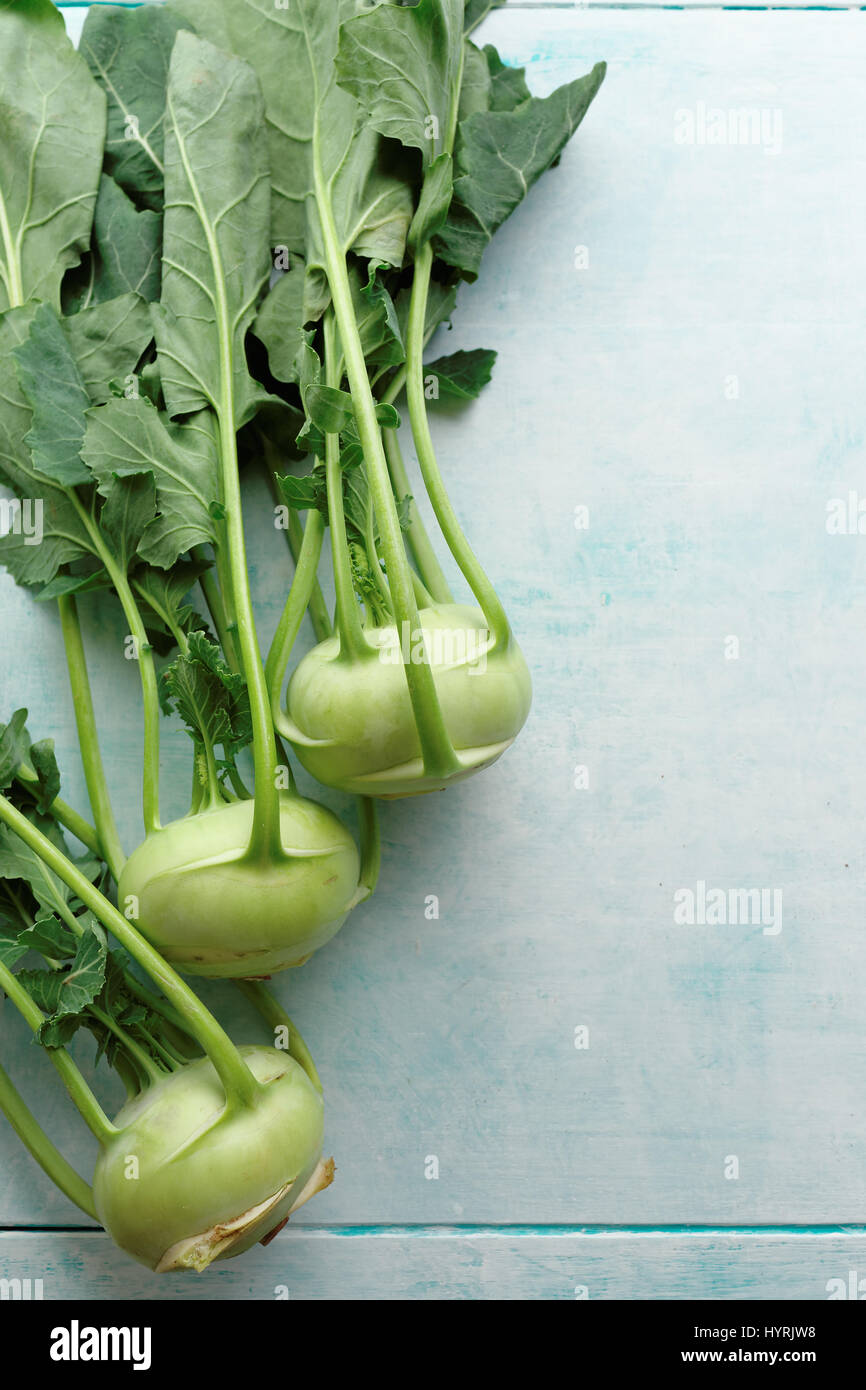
165 591
305 494
462 375
44 764
14 747
377 318
129 508
436 193
279 324
329 408
211 699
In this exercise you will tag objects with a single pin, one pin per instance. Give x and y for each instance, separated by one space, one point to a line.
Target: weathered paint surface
680 330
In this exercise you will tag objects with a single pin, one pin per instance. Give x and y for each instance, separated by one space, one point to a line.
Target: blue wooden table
638 1077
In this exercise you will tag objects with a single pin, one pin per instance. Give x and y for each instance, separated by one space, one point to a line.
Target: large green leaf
500 154
58 398
293 48
128 51
52 118
128 437
216 258
64 536
403 66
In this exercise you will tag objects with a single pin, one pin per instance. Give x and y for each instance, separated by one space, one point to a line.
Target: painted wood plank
454 1038
447 1264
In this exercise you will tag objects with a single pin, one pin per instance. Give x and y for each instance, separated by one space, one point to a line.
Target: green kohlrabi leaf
293 47
211 700
20 863
308 493
65 994
508 88
165 591
476 10
130 506
130 436
44 764
14 747
441 302
216 257
107 342
52 116
403 66
436 194
128 51
46 531
83 582
124 253
499 155
461 376
35 763
49 937
58 398
280 324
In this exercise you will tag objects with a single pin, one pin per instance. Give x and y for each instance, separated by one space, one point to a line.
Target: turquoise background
698 386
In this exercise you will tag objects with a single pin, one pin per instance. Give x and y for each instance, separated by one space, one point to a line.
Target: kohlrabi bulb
188 1180
191 889
352 721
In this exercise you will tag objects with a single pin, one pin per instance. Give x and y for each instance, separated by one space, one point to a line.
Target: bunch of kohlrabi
228 230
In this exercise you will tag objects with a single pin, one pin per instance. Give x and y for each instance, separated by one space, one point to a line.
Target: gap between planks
508 1232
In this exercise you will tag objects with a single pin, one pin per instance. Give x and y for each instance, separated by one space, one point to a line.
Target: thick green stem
317 608
437 751
353 644
36 1141
88 739
293 615
239 1083
446 516
371 843
146 668
216 607
420 543
276 1017
265 839
83 1098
